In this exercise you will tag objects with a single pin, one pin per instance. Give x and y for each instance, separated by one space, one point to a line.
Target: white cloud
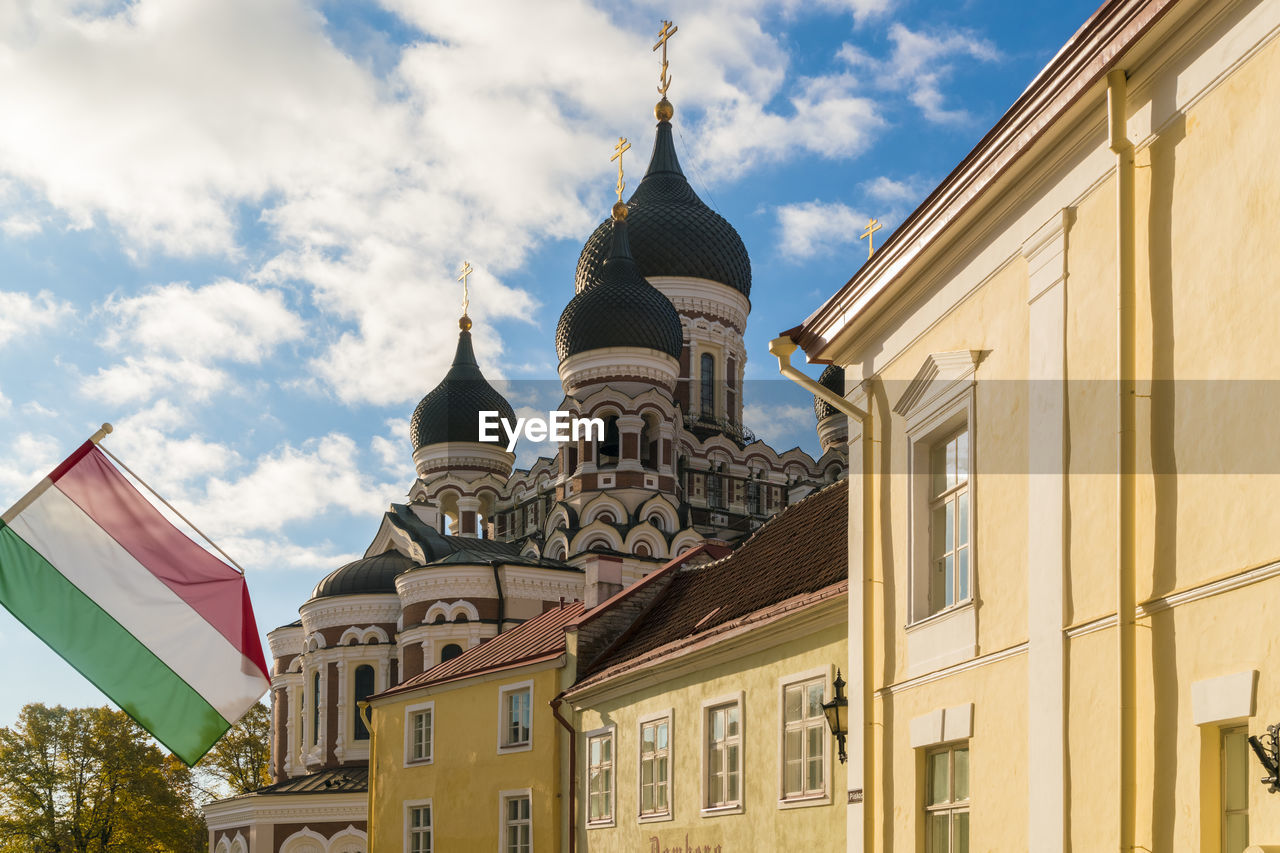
21 314
19 226
138 379
919 64
778 425
269 553
813 227
393 449
904 192
27 459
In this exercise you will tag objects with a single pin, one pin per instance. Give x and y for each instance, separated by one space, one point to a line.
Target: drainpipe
1126 555
782 348
502 600
573 769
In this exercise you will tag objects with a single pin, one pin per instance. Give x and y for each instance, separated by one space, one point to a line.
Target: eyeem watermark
556 426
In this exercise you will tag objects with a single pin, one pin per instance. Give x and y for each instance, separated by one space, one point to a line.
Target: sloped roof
538 639
803 549
338 780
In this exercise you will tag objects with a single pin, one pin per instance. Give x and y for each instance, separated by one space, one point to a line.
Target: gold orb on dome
464 323
620 211
664 110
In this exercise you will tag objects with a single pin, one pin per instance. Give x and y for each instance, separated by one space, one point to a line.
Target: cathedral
651 344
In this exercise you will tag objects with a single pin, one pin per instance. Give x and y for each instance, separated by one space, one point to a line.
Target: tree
241 760
90 780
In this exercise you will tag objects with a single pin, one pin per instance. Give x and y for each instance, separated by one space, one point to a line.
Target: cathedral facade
651 343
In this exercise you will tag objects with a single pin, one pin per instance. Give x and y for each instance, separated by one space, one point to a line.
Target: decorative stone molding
578 372
1225 699
347 610
945 725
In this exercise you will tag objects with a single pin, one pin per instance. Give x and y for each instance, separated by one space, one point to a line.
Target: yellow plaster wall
467 773
759 677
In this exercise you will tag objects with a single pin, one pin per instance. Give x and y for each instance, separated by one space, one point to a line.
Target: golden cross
869 235
621 148
466 271
665 33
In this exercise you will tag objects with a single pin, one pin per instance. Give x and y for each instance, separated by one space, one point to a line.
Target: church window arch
364 688
450 651
707 380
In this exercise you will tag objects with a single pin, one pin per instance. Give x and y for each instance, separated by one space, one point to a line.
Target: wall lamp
837 713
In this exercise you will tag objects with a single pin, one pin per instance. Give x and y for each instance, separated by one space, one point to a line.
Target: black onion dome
620 310
672 232
833 378
368 576
451 411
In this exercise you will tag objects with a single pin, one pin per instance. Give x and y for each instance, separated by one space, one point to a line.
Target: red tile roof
541 638
800 551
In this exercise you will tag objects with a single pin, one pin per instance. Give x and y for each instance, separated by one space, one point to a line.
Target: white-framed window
722 756
946 802
515 717
418 826
419 733
517 821
655 767
804 740
948 500
600 777
1235 789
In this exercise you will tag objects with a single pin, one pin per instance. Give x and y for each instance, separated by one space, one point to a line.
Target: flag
156 622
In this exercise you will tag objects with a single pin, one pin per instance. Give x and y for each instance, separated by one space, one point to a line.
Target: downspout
1126 556
502 600
782 348
573 769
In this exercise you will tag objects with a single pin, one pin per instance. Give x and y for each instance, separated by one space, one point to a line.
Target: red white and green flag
155 621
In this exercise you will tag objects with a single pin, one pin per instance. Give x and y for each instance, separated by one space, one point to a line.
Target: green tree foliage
90 780
241 761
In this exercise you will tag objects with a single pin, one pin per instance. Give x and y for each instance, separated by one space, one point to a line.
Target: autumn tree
90 780
241 760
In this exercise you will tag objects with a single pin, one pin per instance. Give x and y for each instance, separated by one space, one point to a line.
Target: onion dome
451 411
833 378
673 233
621 309
368 576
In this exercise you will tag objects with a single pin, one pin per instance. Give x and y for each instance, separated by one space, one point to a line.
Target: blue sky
232 228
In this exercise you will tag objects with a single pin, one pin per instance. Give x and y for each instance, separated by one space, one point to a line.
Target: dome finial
464 322
620 206
664 110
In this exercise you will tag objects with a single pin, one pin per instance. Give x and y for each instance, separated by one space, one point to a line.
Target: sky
232 228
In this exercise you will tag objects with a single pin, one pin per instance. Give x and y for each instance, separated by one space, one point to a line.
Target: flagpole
106 428
39 488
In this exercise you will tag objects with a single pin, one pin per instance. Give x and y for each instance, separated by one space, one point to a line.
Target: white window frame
709 705
668 715
407 810
503 798
503 692
608 733
937 404
807 799
410 712
953 806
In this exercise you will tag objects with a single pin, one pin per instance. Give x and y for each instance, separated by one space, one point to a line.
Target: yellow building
1060 381
465 755
697 709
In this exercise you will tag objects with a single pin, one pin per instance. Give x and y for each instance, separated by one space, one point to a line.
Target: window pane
607 749
961 768
960 828
938 842
817 734
791 776
962 578
938 529
815 701
646 738
1235 766
717 725
938 788
949 519
662 735
1235 833
733 721
949 578
962 526
594 749
793 704
951 464
938 470
962 457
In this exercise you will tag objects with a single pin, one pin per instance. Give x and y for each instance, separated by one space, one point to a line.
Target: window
753 497
418 732
417 827
315 709
715 491
1235 789
946 803
655 767
804 740
450 651
724 755
363 690
517 825
708 377
600 778
949 521
515 705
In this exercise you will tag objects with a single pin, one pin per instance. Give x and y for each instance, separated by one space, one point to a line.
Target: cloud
19 226
904 192
919 65
778 425
21 313
813 227
27 459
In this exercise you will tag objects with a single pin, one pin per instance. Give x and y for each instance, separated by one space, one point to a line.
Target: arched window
715 491
708 375
364 689
610 449
450 652
315 709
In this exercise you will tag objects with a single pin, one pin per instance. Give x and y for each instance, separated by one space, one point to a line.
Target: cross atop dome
465 322
664 111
